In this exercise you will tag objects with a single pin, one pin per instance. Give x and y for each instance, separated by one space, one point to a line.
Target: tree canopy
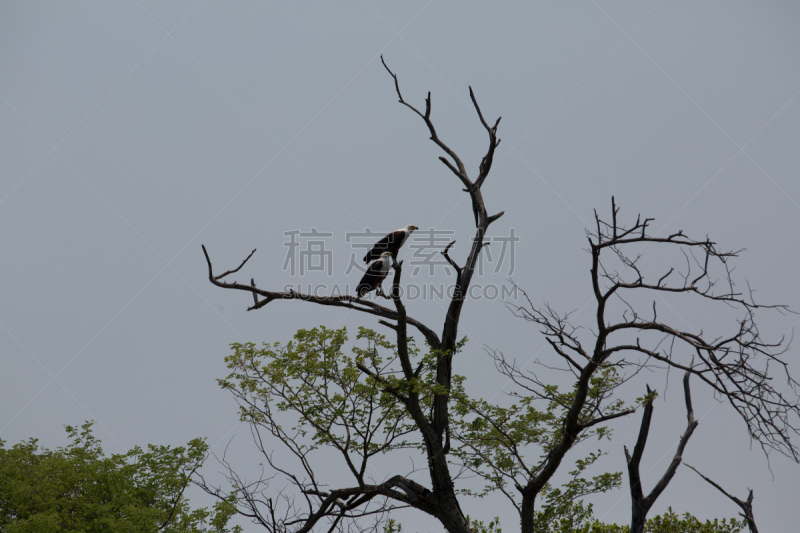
311 395
77 488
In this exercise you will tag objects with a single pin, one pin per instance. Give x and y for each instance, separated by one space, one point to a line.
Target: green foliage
579 520
392 526
79 489
670 522
333 402
479 527
497 440
339 400
560 514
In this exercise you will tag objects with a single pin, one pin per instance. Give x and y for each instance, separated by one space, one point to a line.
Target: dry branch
346 301
641 504
745 505
446 254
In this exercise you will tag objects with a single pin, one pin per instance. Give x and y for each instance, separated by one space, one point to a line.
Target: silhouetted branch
459 169
734 365
446 254
640 503
746 505
346 301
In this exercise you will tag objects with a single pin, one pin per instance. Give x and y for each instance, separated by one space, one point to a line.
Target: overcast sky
133 131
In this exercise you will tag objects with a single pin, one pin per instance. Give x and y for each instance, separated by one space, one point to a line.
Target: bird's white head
386 256
410 229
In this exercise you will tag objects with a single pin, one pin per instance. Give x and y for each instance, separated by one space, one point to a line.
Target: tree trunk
638 518
452 518
528 515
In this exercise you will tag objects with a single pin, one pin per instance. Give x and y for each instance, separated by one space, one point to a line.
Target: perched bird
391 243
374 276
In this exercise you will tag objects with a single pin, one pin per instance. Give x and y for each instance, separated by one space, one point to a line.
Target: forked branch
457 166
641 504
346 301
745 505
446 254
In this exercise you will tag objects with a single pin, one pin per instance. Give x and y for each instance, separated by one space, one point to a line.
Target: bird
374 276
391 243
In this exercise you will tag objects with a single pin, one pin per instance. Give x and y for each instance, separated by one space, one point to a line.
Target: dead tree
745 505
641 504
440 500
628 335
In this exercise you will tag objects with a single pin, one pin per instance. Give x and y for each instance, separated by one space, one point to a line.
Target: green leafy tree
78 489
342 402
339 401
669 522
580 520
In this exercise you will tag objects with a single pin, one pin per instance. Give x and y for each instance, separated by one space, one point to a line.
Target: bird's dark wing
390 243
372 278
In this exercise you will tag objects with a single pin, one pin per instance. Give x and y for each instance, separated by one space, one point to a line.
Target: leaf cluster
312 384
579 519
496 440
670 522
78 488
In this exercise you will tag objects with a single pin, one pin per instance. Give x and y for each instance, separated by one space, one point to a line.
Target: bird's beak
414 228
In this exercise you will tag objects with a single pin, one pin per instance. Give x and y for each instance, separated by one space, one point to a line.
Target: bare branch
492 218
486 162
641 504
460 171
601 419
217 278
446 254
746 505
346 301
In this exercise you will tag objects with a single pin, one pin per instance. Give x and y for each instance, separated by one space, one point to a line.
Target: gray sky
132 132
